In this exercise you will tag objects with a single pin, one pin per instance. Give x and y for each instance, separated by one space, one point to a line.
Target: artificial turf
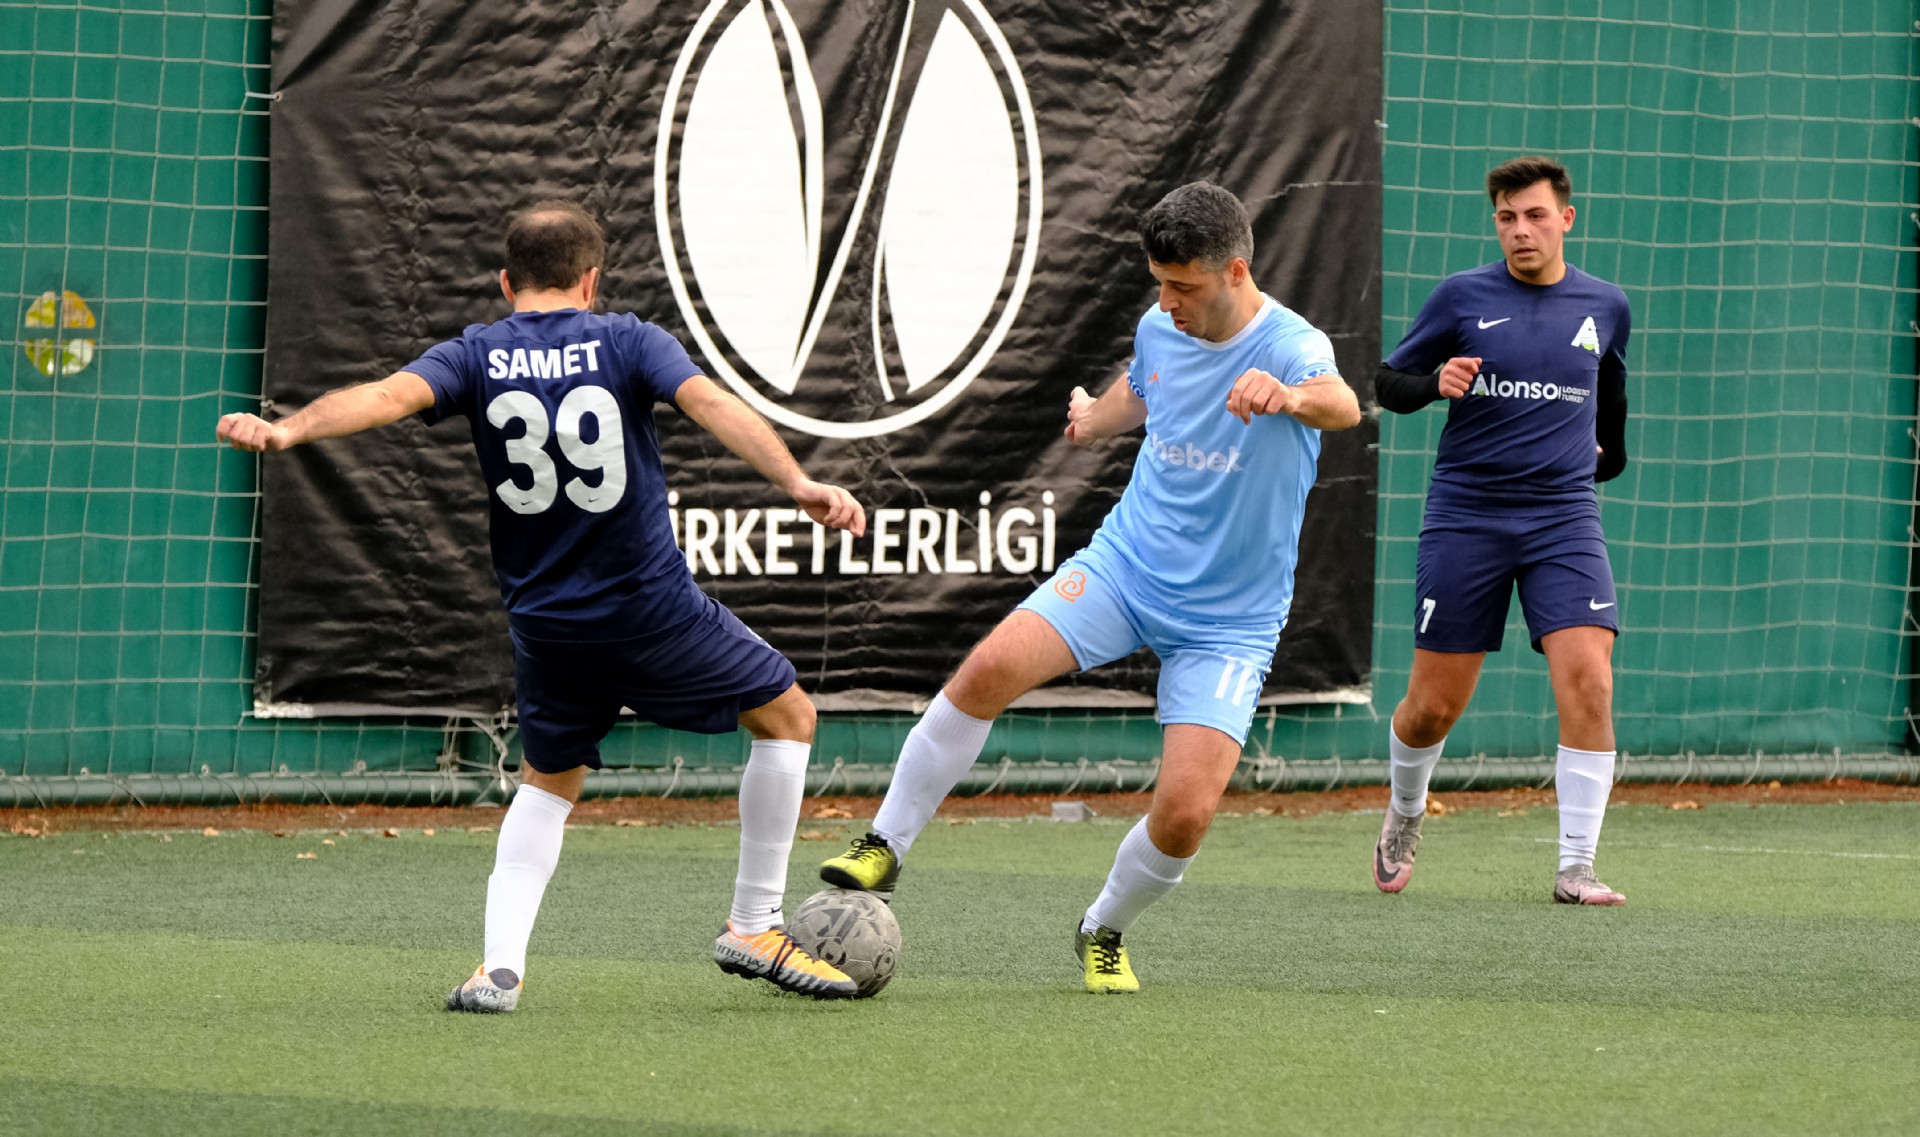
1765 978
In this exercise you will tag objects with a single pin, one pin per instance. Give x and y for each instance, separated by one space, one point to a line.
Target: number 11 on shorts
1426 613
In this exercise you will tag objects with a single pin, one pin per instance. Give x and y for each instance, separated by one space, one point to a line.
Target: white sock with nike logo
1410 768
1582 779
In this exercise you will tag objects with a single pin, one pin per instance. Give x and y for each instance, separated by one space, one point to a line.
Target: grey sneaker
487 993
1578 885
1393 853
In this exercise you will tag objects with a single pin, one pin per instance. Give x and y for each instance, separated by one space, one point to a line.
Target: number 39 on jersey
606 454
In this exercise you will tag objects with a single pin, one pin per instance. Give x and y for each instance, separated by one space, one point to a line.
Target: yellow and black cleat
1105 958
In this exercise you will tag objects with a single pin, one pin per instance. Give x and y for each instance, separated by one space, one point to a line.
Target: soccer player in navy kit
1195 561
602 608
1530 353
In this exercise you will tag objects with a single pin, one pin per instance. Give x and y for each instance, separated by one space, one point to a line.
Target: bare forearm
333 414
1329 405
1117 411
746 434
345 411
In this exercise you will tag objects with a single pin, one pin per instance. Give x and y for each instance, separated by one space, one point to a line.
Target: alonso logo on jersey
1497 387
1192 457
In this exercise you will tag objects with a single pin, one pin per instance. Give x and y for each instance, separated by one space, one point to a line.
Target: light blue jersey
1196 560
1210 522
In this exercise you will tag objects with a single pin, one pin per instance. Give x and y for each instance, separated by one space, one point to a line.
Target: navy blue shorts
1469 564
699 676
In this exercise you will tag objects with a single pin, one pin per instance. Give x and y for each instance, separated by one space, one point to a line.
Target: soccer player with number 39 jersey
1195 561
602 608
1530 354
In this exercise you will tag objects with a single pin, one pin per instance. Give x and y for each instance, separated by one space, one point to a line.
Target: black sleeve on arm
1610 427
1404 392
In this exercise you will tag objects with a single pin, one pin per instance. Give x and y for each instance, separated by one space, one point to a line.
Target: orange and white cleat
772 955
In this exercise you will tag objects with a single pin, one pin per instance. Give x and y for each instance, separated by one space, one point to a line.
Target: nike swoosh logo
1485 324
1596 605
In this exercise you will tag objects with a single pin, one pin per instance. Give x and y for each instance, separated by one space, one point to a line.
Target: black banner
904 232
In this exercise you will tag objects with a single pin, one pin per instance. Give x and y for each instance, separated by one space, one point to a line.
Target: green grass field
1764 979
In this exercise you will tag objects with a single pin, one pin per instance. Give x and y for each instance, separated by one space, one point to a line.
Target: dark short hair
1197 222
1511 177
552 244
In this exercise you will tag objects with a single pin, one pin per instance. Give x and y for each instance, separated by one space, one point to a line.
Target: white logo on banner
748 180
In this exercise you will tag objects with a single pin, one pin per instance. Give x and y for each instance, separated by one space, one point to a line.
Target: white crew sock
523 862
1411 768
1141 875
939 750
1581 779
770 792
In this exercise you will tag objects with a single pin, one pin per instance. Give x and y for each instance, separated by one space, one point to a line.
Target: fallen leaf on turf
831 811
27 831
426 832
1774 785
282 833
79 852
167 838
1511 813
1688 804
1436 807
1262 811
391 833
209 831
306 856
632 823
326 840
816 835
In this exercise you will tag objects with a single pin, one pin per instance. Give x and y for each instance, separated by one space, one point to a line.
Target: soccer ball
854 931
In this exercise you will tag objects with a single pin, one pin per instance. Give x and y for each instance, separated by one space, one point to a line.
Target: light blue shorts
1210 674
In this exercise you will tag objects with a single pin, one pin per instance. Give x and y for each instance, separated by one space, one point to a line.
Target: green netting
1746 172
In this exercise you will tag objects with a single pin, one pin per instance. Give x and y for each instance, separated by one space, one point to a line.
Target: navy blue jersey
561 408
1524 433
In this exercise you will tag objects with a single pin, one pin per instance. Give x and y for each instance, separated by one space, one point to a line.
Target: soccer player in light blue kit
601 606
1529 354
1195 561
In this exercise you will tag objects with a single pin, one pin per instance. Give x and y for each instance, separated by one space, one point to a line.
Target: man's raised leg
1021 653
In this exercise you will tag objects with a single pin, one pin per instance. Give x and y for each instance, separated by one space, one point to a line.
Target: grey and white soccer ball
854 931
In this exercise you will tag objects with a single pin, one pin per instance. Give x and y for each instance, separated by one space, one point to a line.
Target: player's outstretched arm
1116 412
1324 402
348 410
741 430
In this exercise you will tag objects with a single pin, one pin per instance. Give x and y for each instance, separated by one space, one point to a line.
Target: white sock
1411 768
1581 779
1141 875
939 750
770 792
523 862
